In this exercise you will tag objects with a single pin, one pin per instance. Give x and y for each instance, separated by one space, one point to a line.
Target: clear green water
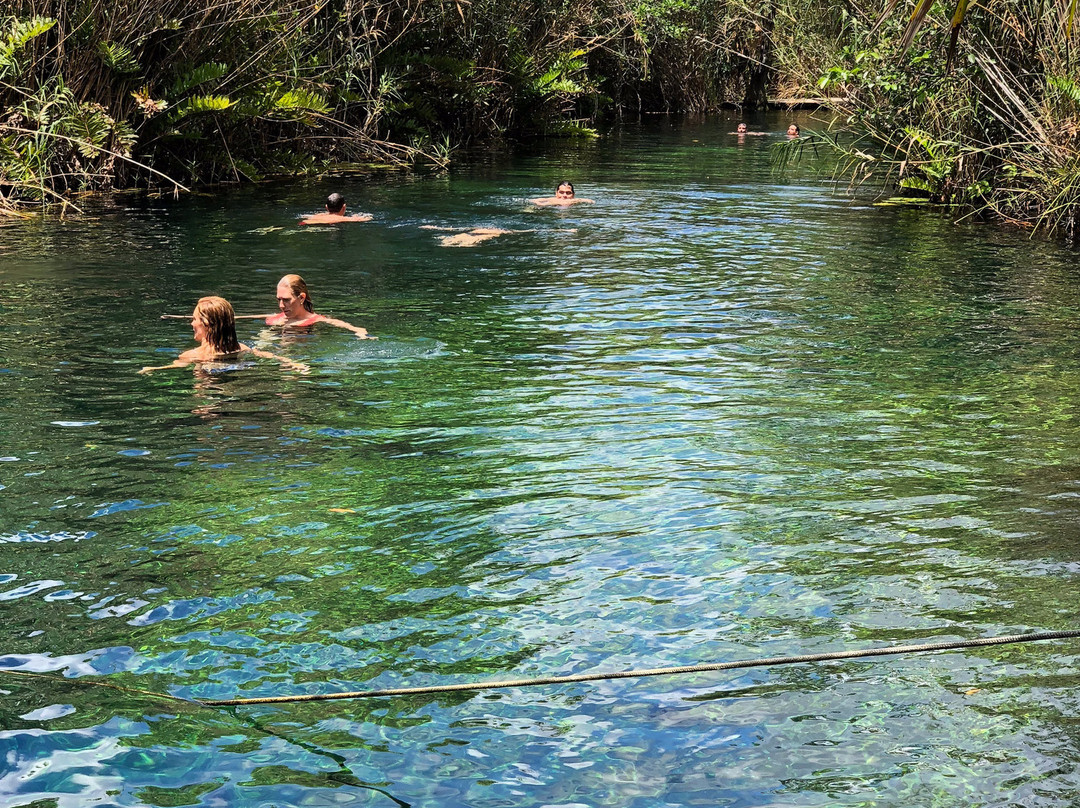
732 415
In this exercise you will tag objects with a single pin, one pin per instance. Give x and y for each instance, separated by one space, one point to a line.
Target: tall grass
971 104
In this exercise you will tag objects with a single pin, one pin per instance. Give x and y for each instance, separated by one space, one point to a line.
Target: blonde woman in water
214 325
295 309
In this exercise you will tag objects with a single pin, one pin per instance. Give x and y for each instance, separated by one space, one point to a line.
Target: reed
971 105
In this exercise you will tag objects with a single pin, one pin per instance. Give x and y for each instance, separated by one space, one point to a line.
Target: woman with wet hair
564 196
295 309
213 323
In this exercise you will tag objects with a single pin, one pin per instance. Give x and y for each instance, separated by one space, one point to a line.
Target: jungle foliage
169 93
958 102
976 105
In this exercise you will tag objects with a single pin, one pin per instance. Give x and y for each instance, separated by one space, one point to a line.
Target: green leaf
211 71
298 103
201 105
1067 87
917 184
19 33
118 58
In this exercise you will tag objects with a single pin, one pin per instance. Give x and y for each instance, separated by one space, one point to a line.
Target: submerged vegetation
955 103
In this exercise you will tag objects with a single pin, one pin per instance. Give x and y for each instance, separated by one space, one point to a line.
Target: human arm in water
361 333
291 364
197 355
554 201
177 363
335 218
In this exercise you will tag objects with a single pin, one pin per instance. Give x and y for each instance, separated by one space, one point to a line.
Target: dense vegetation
957 103
97 94
977 105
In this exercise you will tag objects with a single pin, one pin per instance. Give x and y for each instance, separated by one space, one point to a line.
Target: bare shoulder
334 218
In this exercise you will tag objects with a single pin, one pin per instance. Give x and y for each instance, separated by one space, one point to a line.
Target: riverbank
237 91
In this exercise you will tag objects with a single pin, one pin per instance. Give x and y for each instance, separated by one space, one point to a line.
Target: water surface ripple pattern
722 413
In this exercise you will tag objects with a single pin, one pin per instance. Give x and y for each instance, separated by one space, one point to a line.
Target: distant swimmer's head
793 130
214 324
741 128
564 190
293 297
335 203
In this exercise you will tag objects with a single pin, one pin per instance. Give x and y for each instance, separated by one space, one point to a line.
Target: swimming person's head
292 290
564 190
214 324
740 128
793 130
335 203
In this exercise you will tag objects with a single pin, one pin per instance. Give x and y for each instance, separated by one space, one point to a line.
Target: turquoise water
732 414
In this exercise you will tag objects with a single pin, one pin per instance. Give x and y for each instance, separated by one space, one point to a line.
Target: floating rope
580 677
633 674
92 683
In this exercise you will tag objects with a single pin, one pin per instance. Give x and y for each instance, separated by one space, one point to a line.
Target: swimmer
335 213
469 237
793 130
214 325
295 309
741 130
564 196
477 235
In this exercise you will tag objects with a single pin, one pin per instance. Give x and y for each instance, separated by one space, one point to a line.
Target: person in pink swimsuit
295 309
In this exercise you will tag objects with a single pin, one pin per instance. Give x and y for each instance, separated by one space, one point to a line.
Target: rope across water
591 677
633 674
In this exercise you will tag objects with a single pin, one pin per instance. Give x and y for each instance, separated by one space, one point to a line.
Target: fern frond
299 101
200 105
1067 87
211 71
118 58
19 33
89 128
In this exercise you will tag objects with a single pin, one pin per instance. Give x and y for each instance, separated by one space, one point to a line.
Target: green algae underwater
732 414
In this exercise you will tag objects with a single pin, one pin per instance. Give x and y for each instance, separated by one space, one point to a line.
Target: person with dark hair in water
742 130
564 196
793 130
335 212
214 325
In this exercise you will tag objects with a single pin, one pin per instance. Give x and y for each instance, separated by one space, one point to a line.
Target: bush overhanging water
100 95
960 103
